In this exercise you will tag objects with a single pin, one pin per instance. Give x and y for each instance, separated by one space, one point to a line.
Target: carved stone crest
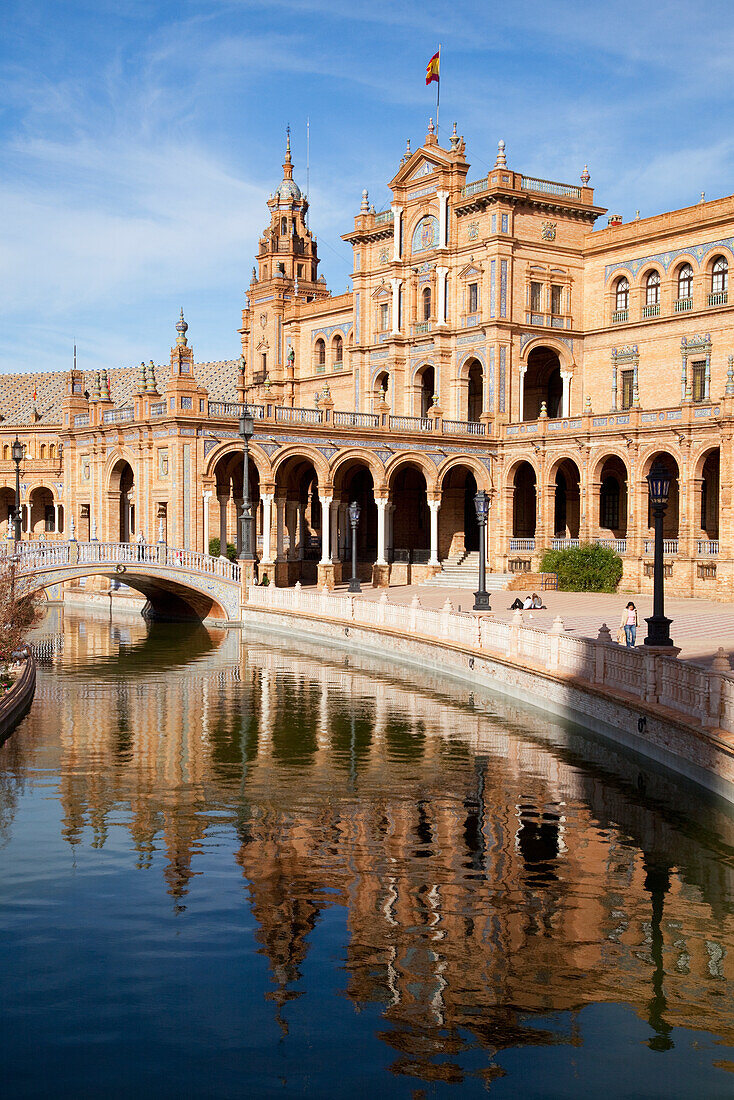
263 319
548 232
473 231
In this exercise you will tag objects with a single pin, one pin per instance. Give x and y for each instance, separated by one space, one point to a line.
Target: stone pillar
434 505
206 497
301 513
223 501
325 537
390 528
267 507
441 273
521 391
343 530
56 518
443 224
280 504
291 521
396 283
334 520
397 216
382 506
566 398
237 525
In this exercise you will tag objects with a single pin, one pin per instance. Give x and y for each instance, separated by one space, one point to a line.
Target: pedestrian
516 605
628 625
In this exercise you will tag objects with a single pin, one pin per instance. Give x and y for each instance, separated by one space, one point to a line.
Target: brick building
492 339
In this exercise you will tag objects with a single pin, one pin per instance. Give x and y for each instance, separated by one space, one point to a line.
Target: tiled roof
16 390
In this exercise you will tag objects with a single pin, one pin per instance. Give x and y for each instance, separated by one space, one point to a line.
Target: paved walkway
699 626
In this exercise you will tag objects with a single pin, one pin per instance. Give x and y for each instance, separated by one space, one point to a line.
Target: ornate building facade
492 339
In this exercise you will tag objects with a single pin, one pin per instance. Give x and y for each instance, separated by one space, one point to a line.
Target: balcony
522 544
670 546
620 315
683 305
117 416
464 427
356 420
719 298
422 326
564 544
651 311
618 545
411 423
707 547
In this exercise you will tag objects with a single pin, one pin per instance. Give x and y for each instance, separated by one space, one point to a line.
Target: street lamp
247 429
354 510
481 505
17 451
658 626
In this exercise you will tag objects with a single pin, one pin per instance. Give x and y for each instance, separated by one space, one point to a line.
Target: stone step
495 582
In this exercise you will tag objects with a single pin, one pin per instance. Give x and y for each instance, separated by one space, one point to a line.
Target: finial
637 215
587 404
408 153
288 144
365 207
431 127
141 377
454 138
703 196
181 328
543 415
501 161
150 383
585 177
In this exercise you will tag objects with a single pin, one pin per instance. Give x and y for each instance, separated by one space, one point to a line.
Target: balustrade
670 546
522 544
411 423
118 416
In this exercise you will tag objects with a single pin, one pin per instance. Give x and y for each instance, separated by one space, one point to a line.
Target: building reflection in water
492 864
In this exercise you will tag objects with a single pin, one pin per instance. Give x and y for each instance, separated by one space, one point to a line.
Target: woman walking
629 624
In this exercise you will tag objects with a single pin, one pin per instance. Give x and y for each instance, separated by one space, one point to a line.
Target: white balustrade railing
564 544
522 544
356 420
620 545
706 547
411 423
670 546
636 673
37 555
118 416
464 427
298 416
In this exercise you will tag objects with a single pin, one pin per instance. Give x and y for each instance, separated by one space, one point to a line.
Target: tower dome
288 189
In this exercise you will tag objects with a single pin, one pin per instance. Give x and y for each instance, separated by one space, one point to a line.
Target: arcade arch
566 488
671 519
707 487
542 382
228 474
613 498
524 501
121 519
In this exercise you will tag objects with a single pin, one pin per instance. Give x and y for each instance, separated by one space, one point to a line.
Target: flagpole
438 88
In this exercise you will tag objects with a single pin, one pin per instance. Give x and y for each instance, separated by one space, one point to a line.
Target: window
652 289
338 350
609 504
623 294
43 450
49 519
283 227
719 276
685 281
320 353
427 303
384 317
556 299
473 297
698 377
300 271
535 292
264 361
628 387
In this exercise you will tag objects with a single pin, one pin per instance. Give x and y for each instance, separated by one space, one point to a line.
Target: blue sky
139 140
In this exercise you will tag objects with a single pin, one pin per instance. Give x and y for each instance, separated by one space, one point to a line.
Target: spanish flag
432 68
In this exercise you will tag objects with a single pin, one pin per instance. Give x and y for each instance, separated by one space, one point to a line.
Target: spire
141 378
408 153
105 386
365 207
95 390
181 329
501 161
150 382
287 163
431 127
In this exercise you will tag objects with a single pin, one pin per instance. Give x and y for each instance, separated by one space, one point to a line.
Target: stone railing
32 556
465 427
704 695
521 544
549 187
81 420
411 423
234 408
670 546
384 217
476 187
706 547
118 416
356 420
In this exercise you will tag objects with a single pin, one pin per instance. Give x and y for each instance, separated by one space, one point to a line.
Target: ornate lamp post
354 510
17 452
247 430
658 626
481 504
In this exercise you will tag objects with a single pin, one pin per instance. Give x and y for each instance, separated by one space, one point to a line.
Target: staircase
462 571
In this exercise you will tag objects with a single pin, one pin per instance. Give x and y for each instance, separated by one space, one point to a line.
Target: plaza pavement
699 627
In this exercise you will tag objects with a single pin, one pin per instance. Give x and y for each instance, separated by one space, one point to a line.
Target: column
443 225
434 505
396 229
521 394
291 521
301 513
441 273
206 497
56 518
27 511
382 506
267 506
279 527
396 283
566 398
390 528
334 519
325 536
223 501
238 501
343 531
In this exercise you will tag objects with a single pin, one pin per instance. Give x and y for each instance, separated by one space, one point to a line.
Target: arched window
609 503
427 303
719 275
43 450
6 453
652 289
320 353
338 349
283 227
685 281
623 293
52 450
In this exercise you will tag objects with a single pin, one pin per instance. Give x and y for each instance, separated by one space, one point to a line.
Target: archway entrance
542 382
671 518
710 496
229 480
567 500
42 513
613 499
122 519
524 502
458 530
475 391
298 521
354 482
411 521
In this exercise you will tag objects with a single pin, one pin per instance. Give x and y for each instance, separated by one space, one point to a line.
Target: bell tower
286 273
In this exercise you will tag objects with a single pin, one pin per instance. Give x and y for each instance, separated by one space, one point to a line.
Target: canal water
234 865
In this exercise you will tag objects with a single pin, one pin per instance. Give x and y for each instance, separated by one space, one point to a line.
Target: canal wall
676 714
17 701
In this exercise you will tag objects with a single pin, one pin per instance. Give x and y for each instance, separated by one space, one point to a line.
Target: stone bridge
178 584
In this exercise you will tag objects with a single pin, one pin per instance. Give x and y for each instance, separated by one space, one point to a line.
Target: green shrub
587 568
215 546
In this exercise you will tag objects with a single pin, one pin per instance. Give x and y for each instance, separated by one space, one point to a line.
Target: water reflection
494 870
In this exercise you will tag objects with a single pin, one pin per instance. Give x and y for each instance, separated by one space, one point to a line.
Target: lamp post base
481 601
658 631
354 585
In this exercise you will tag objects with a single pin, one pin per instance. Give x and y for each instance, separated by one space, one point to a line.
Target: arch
7 509
524 500
613 485
354 480
345 459
6 452
121 506
458 530
425 234
52 451
301 478
542 383
42 453
407 459
684 280
708 483
719 269
426 303
481 474
320 353
671 518
424 389
300 453
337 345
652 287
411 528
565 480
475 391
257 455
228 474
41 511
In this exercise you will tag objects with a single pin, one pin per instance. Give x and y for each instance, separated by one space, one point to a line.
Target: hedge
215 546
587 568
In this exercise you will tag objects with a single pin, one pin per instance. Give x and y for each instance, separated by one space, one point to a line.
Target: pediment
425 168
383 291
263 345
423 162
469 270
